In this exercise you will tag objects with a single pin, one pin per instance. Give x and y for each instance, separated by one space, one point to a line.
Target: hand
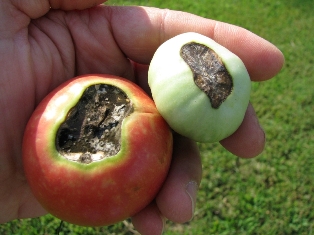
41 48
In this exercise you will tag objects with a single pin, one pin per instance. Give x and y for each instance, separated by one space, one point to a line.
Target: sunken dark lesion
92 128
209 72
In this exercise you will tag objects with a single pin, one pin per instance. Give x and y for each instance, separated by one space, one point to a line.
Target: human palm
40 48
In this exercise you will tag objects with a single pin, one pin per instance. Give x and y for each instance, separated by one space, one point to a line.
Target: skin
41 48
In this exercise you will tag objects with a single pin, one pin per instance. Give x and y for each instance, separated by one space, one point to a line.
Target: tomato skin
104 192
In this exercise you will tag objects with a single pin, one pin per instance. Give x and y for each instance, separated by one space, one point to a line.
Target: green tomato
200 88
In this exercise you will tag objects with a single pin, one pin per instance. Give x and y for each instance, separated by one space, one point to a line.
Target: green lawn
273 193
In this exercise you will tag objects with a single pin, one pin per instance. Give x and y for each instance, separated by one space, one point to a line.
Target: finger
29 206
37 8
149 221
74 4
140 73
139 39
249 140
177 198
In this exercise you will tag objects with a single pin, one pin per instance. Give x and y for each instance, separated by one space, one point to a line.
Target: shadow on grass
304 5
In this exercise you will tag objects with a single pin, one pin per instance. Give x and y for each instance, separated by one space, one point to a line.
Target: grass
270 194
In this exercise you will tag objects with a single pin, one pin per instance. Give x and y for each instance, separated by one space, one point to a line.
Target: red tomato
104 191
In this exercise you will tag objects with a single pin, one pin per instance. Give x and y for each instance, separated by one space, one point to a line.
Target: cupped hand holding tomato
41 48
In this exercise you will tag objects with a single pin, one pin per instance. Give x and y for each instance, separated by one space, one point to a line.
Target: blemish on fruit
92 128
209 72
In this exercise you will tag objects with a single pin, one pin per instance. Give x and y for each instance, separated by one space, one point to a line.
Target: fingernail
163 224
191 189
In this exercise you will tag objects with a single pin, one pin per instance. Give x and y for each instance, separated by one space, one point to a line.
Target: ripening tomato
96 151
